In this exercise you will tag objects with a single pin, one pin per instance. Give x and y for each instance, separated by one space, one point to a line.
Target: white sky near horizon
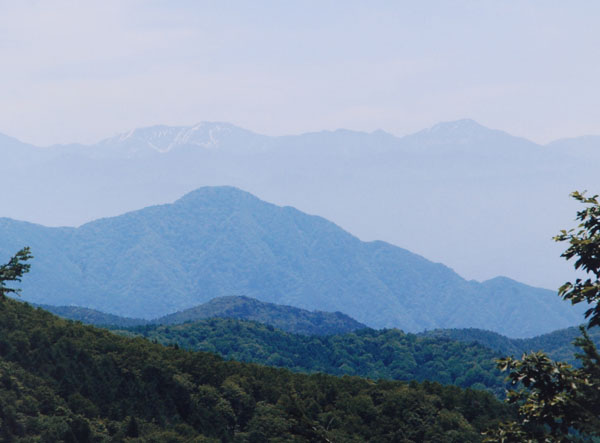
81 71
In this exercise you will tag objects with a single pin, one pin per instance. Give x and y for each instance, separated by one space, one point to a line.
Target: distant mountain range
220 241
479 200
557 344
286 318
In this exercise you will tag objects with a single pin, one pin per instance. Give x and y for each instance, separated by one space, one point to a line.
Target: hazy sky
82 71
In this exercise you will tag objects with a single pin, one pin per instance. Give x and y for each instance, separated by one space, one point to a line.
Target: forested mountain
92 316
222 241
458 356
489 339
557 344
388 354
257 341
286 318
482 201
64 381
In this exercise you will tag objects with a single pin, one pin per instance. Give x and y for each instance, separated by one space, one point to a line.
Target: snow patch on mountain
163 138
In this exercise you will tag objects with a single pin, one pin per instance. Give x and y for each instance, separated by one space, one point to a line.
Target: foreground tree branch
559 403
14 270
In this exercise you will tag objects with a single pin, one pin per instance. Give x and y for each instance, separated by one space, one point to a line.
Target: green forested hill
92 316
445 355
221 241
450 356
287 318
557 344
64 381
489 339
389 354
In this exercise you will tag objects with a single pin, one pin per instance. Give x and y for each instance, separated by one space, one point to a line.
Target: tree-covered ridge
388 354
92 316
287 318
252 342
558 344
64 381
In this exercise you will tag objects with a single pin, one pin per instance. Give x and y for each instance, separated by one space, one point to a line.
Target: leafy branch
14 270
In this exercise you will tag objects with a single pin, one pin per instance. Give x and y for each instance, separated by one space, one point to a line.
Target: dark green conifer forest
388 353
64 381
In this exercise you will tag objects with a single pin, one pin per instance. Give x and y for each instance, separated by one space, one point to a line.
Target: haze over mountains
220 241
479 200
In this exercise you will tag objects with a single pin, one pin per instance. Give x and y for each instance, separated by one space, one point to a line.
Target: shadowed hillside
62 381
286 318
386 354
557 344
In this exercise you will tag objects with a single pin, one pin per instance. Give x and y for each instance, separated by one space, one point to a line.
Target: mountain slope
92 316
286 318
61 381
256 339
163 139
479 200
387 354
222 241
557 344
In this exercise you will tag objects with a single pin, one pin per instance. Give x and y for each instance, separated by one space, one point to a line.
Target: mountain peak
223 195
163 138
287 318
462 125
6 141
220 241
464 132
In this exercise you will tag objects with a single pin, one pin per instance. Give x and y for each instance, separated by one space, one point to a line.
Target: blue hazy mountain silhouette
480 200
219 241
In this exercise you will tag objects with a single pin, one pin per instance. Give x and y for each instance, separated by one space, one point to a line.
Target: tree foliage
584 246
388 353
558 345
557 402
14 270
64 381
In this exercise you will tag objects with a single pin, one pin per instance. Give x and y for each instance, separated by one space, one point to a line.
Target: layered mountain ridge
63 381
220 241
207 134
162 138
480 200
286 318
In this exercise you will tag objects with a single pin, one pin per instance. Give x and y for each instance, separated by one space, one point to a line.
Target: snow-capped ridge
163 138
